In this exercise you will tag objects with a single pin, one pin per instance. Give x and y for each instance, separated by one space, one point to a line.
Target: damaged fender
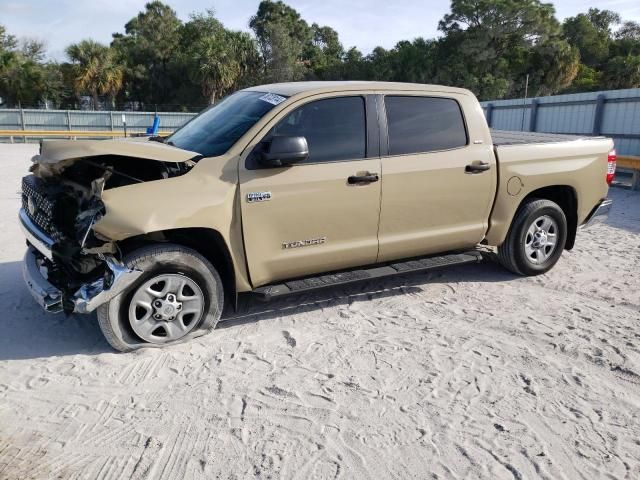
70 266
206 197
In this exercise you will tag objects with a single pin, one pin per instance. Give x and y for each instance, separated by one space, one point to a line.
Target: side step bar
268 292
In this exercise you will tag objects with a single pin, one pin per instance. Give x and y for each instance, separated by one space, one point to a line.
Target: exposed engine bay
62 199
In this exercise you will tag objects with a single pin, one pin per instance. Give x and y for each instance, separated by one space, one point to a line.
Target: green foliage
498 42
280 13
283 37
291 49
587 79
148 50
552 66
323 53
487 46
414 61
608 60
622 72
282 56
21 80
627 39
7 42
33 50
217 59
96 70
54 90
24 78
590 33
502 21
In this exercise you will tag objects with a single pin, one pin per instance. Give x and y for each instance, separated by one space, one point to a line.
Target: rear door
437 185
308 217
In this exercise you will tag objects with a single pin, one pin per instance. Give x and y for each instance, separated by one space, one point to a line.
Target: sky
364 24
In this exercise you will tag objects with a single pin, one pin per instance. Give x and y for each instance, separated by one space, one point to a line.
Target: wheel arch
506 211
566 198
206 241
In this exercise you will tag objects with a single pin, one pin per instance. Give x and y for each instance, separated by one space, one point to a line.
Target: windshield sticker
272 98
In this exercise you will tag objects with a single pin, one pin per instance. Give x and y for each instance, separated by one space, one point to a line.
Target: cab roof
290 89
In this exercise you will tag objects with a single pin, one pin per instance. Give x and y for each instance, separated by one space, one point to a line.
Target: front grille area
39 207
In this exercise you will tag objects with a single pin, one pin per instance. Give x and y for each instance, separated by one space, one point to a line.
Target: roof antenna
524 100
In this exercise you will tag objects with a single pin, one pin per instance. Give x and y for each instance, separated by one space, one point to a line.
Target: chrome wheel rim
165 308
541 239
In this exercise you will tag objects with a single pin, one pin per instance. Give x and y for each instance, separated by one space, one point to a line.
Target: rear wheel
536 238
179 296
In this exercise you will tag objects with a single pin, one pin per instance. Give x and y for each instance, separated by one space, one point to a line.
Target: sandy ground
467 373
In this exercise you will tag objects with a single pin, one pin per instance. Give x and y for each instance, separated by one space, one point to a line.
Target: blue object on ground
156 125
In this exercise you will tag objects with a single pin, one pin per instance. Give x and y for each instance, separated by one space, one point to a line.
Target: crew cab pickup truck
284 188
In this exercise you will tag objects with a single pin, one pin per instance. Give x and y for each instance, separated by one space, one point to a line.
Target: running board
351 276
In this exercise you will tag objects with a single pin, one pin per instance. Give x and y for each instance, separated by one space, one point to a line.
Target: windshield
218 127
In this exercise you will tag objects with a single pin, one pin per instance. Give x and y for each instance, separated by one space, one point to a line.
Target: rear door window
423 124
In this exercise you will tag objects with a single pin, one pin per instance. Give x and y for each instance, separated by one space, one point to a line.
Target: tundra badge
258 197
304 243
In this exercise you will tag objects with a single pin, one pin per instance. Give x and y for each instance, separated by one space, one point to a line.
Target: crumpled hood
54 151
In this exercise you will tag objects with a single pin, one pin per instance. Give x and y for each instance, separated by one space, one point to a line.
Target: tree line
487 46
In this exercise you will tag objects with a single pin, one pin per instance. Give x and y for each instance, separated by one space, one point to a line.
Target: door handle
477 167
366 178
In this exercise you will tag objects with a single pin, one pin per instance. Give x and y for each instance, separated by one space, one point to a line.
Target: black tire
512 254
113 316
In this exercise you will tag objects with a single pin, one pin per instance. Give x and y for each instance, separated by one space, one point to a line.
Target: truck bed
530 161
507 137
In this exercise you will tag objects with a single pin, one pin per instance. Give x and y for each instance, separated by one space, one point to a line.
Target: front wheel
179 296
536 238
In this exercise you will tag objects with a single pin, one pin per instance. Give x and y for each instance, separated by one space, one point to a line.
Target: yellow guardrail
627 161
73 134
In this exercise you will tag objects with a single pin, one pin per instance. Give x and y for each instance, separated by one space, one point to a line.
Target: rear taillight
611 166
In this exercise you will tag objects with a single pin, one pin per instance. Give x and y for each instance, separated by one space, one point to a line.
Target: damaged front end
68 266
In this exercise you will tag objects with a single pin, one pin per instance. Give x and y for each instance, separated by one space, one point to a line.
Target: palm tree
96 70
214 68
245 53
218 58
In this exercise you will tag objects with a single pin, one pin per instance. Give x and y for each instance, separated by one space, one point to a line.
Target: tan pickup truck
284 188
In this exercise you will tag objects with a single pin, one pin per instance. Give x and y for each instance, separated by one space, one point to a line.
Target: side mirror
284 150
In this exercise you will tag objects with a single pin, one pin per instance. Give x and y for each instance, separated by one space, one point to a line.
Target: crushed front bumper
88 297
46 294
599 213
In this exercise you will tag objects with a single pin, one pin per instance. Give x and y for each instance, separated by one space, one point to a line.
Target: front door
308 217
